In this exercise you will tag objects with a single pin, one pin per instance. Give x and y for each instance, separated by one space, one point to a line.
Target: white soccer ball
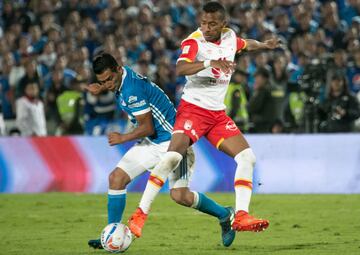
116 237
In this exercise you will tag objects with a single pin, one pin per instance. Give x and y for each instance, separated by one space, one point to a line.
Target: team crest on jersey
217 72
188 124
230 126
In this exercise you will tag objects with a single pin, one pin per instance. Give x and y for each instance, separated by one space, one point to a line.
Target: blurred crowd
311 84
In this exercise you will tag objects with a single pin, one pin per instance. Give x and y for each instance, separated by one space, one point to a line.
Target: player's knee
181 196
246 156
170 161
118 179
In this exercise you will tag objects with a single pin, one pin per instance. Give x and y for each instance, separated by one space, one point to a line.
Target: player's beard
116 83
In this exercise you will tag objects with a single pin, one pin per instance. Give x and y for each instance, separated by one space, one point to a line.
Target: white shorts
146 155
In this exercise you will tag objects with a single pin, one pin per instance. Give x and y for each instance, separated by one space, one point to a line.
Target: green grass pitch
55 223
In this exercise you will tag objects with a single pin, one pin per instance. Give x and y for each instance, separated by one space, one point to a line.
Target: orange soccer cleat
245 222
137 221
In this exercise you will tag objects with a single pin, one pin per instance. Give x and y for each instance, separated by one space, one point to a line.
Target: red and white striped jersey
207 88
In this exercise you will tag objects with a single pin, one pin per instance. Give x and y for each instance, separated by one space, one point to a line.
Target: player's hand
115 138
94 88
273 43
225 66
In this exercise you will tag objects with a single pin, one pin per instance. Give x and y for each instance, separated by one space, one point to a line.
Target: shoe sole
257 227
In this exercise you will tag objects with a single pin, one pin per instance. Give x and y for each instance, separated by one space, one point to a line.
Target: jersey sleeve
189 50
138 103
240 44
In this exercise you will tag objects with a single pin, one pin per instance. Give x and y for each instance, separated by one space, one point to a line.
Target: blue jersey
137 95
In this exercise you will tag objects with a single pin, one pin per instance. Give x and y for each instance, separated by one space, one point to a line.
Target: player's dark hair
104 61
213 6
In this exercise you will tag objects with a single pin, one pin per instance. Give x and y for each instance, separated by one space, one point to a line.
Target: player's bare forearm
266 45
115 138
145 128
189 68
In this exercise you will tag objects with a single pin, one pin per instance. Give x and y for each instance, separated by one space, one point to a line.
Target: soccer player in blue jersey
154 116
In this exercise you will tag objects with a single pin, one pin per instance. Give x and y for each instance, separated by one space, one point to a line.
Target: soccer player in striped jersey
154 116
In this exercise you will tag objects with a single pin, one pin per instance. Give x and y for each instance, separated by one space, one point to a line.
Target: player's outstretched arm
189 68
145 128
266 45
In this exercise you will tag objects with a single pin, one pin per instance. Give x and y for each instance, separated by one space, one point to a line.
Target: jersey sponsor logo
186 49
138 104
188 124
230 125
132 99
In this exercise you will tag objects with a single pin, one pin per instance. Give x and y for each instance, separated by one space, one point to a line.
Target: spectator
279 82
48 55
353 73
31 75
30 114
55 88
261 106
340 108
6 91
65 35
69 104
165 80
236 99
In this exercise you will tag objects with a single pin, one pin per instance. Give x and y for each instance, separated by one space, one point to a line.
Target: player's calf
118 179
182 196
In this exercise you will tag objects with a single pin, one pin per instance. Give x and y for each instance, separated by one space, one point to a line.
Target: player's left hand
115 138
273 43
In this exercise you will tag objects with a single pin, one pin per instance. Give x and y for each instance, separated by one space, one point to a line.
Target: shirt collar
117 93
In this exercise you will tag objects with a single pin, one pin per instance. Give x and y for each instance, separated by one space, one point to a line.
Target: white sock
196 200
243 179
158 177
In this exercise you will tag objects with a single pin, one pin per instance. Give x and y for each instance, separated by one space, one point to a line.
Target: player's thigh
141 157
234 145
192 122
181 176
226 136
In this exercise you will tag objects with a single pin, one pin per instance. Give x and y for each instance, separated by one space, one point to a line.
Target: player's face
211 25
109 79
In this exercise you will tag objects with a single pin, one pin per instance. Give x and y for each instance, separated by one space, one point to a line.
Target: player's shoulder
194 37
128 81
226 31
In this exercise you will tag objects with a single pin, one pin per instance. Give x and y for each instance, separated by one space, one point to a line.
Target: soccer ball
116 237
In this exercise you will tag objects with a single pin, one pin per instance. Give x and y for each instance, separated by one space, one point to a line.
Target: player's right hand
225 66
94 88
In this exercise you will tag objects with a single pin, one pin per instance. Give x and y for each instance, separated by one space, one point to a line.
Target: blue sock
209 206
116 205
